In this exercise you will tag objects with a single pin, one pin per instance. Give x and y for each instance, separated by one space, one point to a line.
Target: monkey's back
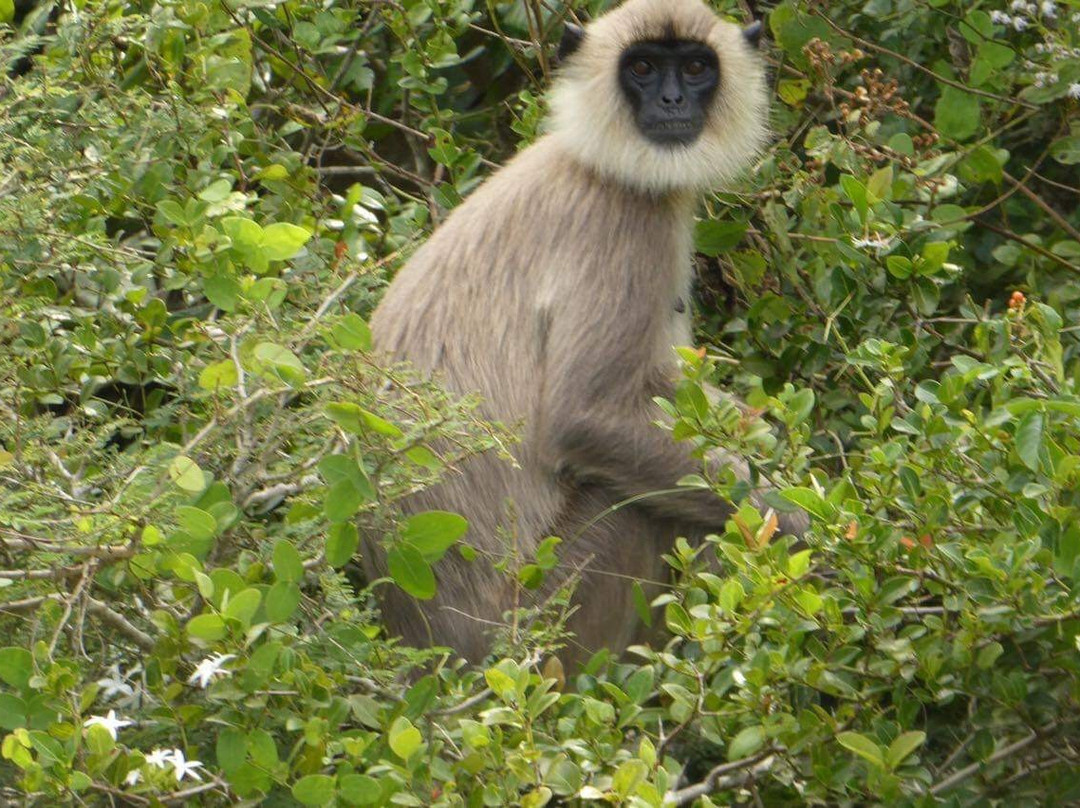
550 312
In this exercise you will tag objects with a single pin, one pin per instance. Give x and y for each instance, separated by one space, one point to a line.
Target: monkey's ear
752 33
572 37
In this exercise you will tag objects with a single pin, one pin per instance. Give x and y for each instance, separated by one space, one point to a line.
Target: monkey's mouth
672 133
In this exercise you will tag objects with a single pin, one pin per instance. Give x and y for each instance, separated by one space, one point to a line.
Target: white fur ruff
592 121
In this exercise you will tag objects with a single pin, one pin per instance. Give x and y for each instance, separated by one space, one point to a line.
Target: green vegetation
199 205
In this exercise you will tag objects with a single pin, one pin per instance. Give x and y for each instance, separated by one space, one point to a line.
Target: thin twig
963 774
722 777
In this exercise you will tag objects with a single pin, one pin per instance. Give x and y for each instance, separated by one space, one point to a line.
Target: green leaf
381 425
288 565
282 241
242 607
434 532
206 627
341 544
353 333
281 601
957 113
809 500
283 362
856 192
976 27
219 376
231 749
628 777
899 266
404 738
7 10
223 291
314 789
246 237
186 474
988 655
731 595
1067 150
1029 439
217 191
342 501
746 743
16 666
12 712
357 420
196 522
531 576
410 571
98 740
541 796
359 789
171 210
982 165
48 748
863 747
879 187
902 746
348 416
712 237
641 604
678 619
335 468
926 295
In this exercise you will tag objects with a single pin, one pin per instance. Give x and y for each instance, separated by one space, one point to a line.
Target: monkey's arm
637 459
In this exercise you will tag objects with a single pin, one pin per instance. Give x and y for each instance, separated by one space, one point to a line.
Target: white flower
1000 17
738 677
1048 9
115 682
182 768
1019 23
210 667
133 777
160 758
1074 90
875 243
110 722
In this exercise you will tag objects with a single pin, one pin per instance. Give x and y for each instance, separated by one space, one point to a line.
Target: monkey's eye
694 68
639 67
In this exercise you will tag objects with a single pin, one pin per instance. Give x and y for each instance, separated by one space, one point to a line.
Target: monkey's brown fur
553 292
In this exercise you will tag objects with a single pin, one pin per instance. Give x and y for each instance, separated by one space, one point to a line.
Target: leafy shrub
200 204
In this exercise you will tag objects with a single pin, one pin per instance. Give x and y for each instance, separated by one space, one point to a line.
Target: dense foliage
199 205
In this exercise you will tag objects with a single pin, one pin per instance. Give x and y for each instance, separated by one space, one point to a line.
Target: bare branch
722 777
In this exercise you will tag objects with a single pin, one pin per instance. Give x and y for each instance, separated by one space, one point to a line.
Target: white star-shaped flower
210 667
1019 23
1048 9
1000 17
160 758
115 682
133 777
110 722
182 768
1074 90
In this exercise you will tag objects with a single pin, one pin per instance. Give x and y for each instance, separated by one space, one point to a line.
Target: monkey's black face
669 85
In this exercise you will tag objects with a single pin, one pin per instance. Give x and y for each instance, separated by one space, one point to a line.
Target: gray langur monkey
557 292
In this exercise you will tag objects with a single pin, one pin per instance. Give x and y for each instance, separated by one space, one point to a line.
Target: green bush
199 205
